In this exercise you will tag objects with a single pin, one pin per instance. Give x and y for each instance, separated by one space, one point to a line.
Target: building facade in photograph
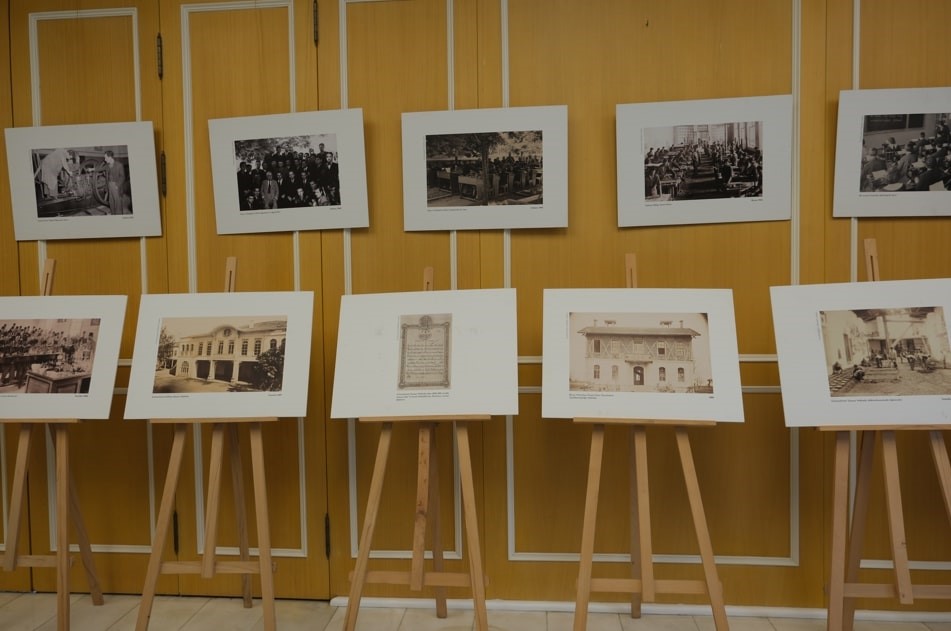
641 359
226 353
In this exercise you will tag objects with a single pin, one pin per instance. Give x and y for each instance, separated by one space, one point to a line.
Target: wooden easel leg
714 588
215 461
85 550
840 518
856 537
17 496
264 530
369 525
240 509
82 536
163 522
422 507
896 521
634 515
940 454
442 610
62 526
645 546
588 526
471 520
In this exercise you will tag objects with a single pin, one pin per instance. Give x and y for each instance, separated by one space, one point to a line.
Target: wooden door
76 63
225 60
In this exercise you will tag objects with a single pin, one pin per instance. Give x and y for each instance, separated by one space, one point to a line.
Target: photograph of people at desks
906 152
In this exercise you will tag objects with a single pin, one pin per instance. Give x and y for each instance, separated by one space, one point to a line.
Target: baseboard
739 611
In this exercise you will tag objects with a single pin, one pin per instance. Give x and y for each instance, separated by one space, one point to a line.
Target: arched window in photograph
257 347
680 375
273 344
244 348
662 374
597 371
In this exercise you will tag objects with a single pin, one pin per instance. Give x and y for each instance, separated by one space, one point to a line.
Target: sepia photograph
52 356
239 354
422 353
717 161
641 354
58 355
707 161
900 351
864 354
300 171
83 181
892 153
221 355
486 168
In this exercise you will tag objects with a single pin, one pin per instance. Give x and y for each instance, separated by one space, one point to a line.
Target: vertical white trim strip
795 223
856 58
188 145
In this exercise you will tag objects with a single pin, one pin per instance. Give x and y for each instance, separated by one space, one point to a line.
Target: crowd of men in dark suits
289 179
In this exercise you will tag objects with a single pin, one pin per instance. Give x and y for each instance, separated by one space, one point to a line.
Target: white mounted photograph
864 353
426 353
708 161
487 168
892 153
287 172
58 355
83 181
644 354
242 355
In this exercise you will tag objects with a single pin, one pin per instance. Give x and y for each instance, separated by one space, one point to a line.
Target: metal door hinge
159 62
316 23
162 175
175 532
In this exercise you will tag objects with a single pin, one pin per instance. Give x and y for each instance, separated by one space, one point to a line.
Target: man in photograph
51 165
270 190
115 179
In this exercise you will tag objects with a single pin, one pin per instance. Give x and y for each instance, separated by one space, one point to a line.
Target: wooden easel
427 515
642 585
222 430
844 587
67 503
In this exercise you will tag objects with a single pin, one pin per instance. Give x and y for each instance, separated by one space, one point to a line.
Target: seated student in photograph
932 175
874 163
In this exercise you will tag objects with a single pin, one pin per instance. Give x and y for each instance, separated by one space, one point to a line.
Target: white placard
326 146
892 153
488 168
64 187
644 354
58 356
709 161
227 355
426 353
864 353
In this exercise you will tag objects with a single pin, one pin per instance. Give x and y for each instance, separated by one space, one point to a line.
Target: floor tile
875 625
798 624
564 621
426 620
84 616
169 613
370 619
658 623
28 612
518 621
225 614
737 623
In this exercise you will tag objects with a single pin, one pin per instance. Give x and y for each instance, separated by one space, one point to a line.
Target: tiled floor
29 612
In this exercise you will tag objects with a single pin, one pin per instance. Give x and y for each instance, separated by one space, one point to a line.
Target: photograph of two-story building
217 354
640 352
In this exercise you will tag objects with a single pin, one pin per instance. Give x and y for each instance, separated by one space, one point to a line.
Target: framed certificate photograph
241 354
708 161
426 353
486 168
873 353
645 354
83 181
892 153
286 172
58 355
